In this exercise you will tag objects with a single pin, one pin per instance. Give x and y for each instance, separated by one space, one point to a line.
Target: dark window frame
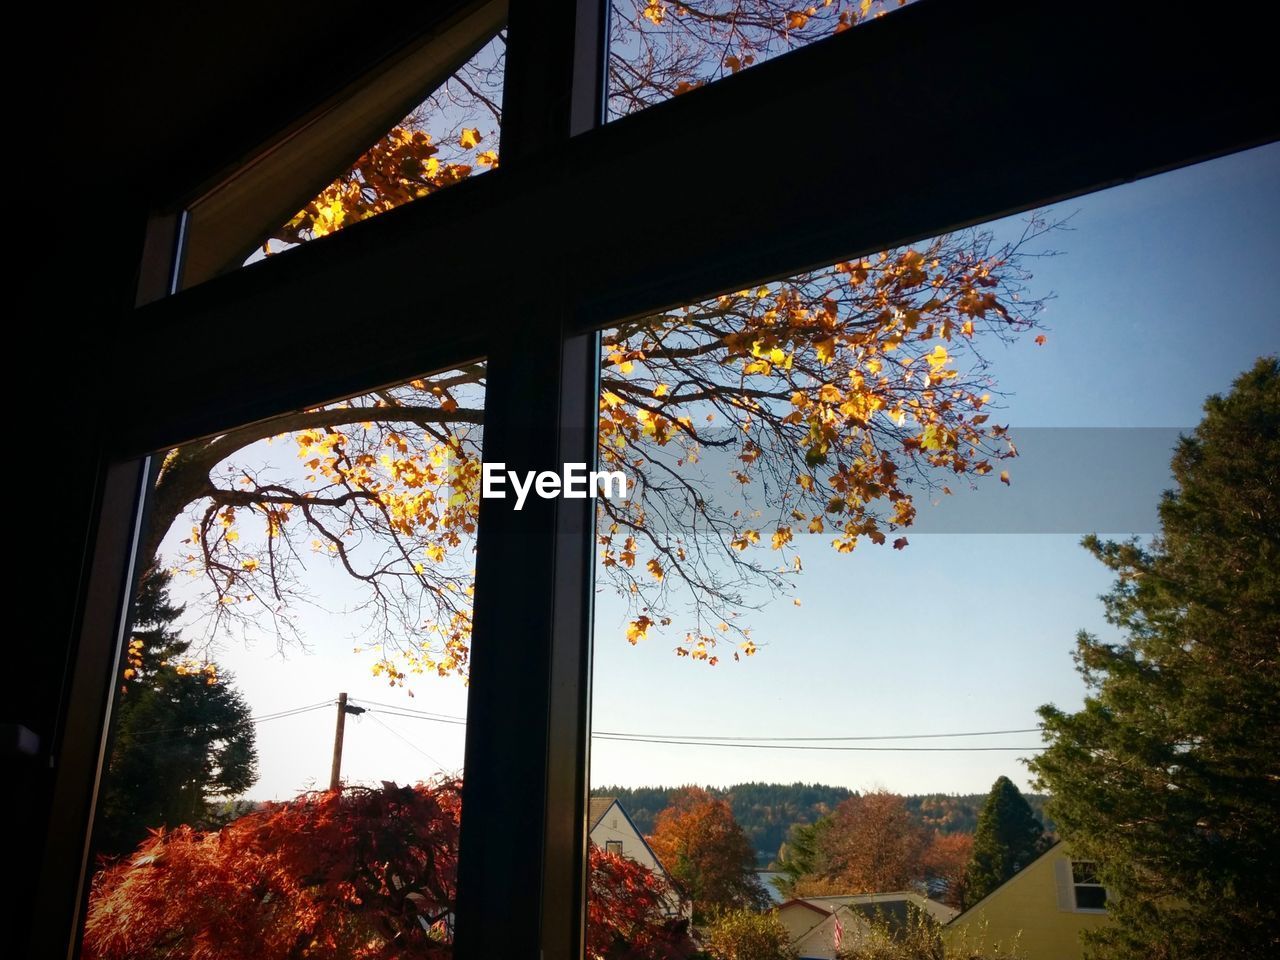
1102 104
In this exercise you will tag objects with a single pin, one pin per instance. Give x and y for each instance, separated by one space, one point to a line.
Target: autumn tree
946 868
629 912
701 846
1009 836
182 738
839 396
872 845
1168 777
748 935
339 874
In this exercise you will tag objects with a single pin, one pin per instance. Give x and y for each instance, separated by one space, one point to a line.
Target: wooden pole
335 773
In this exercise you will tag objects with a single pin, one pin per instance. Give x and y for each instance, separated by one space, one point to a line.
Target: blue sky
1166 289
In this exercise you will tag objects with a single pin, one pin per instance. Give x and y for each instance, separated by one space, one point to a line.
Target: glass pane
452 135
290 718
1091 898
316 180
659 49
1084 871
849 573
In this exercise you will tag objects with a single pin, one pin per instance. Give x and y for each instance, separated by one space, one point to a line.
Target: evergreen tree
1009 836
182 735
1169 777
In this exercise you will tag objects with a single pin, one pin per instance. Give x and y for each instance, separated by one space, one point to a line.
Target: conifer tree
1169 777
182 734
1009 836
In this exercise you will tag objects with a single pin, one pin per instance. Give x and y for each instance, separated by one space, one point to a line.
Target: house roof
807 904
894 907
597 807
968 910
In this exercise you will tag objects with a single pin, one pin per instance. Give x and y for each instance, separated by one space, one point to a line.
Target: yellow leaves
761 366
745 539
966 328
250 565
829 393
470 138
904 512
796 19
661 390
816 525
655 569
781 537
1004 477
748 648
806 482
826 350
936 437
628 555
938 359
655 12
434 553
488 159
232 536
638 629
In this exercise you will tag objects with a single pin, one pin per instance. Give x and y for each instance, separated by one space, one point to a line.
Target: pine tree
182 735
1169 777
1009 836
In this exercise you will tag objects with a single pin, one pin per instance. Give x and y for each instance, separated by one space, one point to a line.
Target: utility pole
335 773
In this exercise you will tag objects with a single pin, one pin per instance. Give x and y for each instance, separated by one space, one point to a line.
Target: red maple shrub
362 874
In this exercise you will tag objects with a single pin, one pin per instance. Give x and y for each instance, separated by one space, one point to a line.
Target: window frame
1092 885
1104 106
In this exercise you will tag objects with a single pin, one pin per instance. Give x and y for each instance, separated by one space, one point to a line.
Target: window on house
1090 894
613 846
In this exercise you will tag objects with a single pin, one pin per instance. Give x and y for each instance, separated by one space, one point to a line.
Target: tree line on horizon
769 812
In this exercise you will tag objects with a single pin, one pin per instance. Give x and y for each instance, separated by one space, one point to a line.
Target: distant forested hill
767 811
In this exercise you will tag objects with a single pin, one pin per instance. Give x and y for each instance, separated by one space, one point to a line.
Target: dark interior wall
134 109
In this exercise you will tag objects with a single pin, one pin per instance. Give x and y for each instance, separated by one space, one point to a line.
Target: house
610 828
812 921
1043 909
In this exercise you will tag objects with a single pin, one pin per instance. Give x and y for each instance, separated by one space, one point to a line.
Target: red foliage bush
361 874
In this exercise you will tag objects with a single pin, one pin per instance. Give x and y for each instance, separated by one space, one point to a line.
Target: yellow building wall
1026 912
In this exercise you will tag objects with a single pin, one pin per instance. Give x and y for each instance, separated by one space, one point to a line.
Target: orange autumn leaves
402 166
834 399
838 397
842 394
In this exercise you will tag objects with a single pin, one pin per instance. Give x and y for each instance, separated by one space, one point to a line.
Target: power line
690 740
455 721
681 737
693 739
801 746
397 733
279 715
